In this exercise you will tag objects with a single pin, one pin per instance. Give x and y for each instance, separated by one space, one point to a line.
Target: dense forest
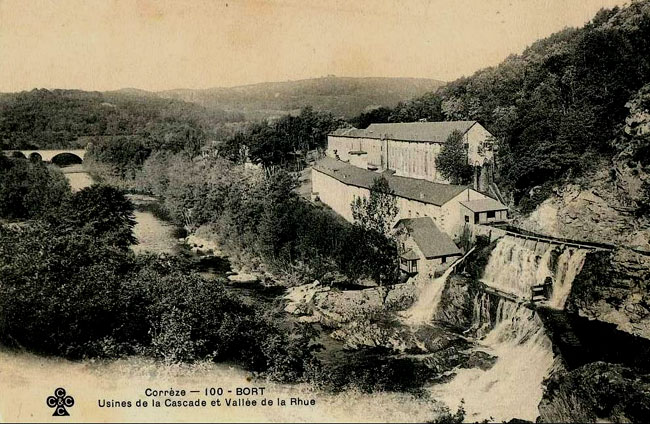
558 108
69 118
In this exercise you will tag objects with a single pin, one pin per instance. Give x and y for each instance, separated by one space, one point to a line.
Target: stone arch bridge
49 155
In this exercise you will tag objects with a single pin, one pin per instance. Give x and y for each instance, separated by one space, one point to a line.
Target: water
512 387
429 296
515 268
76 176
481 319
568 267
129 377
154 235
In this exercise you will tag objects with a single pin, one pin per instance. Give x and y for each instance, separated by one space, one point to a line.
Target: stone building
337 183
423 248
409 149
483 211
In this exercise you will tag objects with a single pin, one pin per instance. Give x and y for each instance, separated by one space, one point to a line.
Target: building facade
423 248
337 184
409 149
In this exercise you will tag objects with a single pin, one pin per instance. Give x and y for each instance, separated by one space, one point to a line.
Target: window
443 260
466 218
414 266
490 214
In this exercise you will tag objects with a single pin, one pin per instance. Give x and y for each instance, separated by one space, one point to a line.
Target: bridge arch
48 155
35 157
66 158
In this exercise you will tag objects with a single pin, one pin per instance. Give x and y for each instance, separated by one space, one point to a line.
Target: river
25 377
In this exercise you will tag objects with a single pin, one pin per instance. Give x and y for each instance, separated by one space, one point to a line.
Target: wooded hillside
558 108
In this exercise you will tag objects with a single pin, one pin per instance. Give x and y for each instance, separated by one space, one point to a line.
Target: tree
452 160
102 212
29 189
378 211
375 249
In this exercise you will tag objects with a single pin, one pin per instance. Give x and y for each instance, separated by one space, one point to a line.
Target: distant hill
341 96
58 118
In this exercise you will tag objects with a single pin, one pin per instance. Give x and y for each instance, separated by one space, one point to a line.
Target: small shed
483 211
423 247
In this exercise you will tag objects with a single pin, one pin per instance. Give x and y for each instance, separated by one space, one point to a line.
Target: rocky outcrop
393 335
596 392
610 205
455 308
614 288
605 204
333 308
598 213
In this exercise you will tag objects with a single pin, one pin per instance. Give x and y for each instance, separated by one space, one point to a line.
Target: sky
159 44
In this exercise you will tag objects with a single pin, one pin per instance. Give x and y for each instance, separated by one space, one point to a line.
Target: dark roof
484 205
433 132
432 242
409 255
410 188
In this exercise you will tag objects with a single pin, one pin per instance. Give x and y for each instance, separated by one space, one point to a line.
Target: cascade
512 387
514 268
569 266
481 321
424 309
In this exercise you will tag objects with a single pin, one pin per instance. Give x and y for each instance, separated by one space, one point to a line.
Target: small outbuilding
483 211
423 247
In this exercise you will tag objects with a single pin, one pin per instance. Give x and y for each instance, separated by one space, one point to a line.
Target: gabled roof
432 132
484 205
409 255
410 188
432 242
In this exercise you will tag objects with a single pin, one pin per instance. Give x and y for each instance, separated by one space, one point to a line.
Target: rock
479 359
596 392
335 308
395 336
613 287
243 278
456 303
201 245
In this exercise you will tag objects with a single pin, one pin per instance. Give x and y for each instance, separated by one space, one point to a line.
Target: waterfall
512 387
424 309
569 266
481 320
515 268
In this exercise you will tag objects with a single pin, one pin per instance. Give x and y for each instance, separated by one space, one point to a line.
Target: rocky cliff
597 392
610 204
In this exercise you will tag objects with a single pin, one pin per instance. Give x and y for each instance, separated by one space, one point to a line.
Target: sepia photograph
427 211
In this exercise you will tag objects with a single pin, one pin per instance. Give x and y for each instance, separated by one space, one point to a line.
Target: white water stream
422 311
512 387
514 268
